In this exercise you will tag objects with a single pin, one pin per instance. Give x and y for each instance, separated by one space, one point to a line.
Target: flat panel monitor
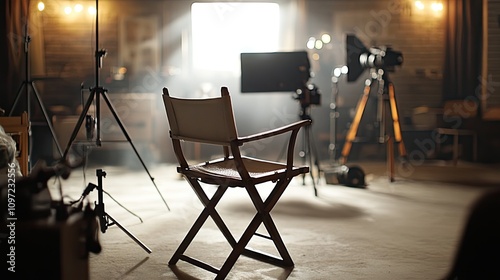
274 71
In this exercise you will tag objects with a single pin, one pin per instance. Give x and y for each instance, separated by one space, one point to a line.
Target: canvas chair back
209 120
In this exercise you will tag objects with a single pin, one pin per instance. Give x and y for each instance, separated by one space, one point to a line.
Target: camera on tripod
380 61
285 72
309 95
360 58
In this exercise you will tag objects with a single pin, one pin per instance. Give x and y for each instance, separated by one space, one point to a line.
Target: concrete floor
407 229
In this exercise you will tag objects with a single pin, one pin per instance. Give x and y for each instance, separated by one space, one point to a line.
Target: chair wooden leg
238 247
207 211
213 212
264 211
261 217
278 241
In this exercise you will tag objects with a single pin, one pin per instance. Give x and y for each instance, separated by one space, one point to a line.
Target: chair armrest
293 128
273 132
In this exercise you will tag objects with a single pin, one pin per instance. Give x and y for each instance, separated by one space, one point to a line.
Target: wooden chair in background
458 117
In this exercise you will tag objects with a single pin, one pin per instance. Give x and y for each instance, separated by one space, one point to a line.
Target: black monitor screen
276 71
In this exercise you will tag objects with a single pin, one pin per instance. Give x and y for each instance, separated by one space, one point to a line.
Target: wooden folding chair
211 121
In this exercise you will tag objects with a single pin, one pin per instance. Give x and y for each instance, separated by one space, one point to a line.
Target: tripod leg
49 123
390 158
395 120
115 222
79 124
18 96
315 154
125 133
303 153
307 155
353 129
104 217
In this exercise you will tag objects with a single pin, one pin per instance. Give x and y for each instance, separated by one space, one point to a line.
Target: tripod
29 86
96 93
105 220
309 153
386 101
308 150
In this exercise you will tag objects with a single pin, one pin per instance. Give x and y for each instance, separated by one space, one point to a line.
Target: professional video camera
360 58
380 60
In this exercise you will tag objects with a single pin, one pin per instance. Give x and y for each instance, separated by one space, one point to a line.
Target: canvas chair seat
259 170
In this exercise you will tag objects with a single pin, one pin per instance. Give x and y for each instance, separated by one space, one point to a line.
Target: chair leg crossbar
238 247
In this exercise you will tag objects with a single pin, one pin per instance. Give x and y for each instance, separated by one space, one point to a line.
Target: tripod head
308 95
27 40
382 78
360 58
100 54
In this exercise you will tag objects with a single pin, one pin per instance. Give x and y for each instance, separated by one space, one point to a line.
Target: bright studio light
91 10
318 44
310 43
78 8
326 38
41 6
337 72
437 7
344 69
420 5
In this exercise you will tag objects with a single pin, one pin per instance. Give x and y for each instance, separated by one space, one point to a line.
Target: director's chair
211 121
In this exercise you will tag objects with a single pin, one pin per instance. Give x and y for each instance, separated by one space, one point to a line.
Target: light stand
29 85
352 176
96 93
334 114
105 220
308 96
